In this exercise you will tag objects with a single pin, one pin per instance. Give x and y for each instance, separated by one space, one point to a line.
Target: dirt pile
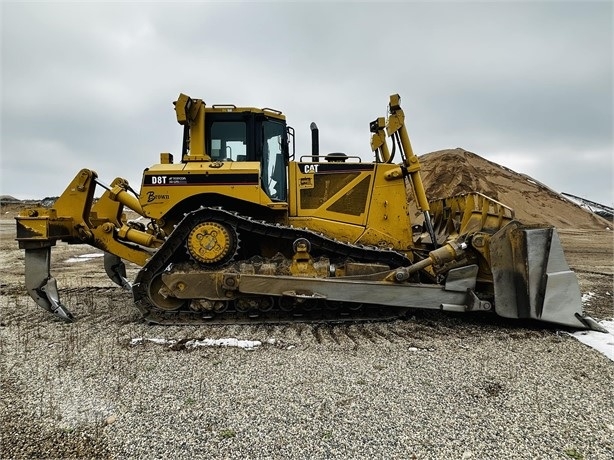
455 171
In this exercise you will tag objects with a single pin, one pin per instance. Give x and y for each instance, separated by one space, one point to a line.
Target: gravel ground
434 386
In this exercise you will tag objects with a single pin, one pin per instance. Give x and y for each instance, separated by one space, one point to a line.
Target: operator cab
250 136
239 134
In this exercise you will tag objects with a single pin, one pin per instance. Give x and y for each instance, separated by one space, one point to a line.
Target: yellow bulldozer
242 230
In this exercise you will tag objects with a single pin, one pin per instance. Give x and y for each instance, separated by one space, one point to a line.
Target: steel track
172 251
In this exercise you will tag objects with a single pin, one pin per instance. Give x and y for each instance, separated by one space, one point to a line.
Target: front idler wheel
161 296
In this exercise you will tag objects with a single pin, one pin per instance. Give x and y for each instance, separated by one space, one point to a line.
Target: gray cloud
528 85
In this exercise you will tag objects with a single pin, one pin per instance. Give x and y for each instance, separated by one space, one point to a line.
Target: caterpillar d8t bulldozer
243 230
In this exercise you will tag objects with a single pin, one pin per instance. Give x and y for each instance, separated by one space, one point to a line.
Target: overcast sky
528 85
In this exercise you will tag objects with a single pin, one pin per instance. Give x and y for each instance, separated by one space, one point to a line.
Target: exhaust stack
315 142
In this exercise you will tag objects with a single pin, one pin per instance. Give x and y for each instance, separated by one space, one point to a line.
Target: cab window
228 141
273 160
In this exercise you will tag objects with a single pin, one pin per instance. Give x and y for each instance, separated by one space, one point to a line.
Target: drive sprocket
211 242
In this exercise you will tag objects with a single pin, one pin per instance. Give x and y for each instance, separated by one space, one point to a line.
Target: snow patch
139 340
586 298
226 342
229 342
600 341
84 257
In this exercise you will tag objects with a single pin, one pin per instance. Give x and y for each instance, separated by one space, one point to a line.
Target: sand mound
455 171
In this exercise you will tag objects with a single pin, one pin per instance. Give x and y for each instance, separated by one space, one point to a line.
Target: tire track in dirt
351 336
590 272
384 331
317 333
401 334
365 332
332 332
298 330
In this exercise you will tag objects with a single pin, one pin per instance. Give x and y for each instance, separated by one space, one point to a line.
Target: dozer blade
532 279
116 270
41 286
